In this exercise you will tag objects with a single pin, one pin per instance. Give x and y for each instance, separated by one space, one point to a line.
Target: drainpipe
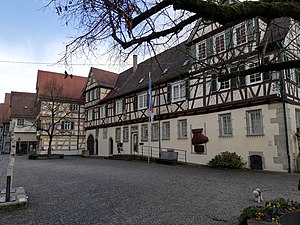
282 92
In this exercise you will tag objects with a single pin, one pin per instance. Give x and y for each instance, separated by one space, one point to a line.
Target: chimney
134 68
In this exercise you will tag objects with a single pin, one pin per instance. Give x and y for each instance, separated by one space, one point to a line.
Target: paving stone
91 191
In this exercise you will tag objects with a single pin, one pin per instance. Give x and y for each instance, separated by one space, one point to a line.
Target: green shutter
242 79
229 38
72 125
214 84
169 94
135 103
233 82
193 52
209 46
187 89
250 30
266 75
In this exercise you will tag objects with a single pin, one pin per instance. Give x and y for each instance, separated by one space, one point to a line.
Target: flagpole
149 117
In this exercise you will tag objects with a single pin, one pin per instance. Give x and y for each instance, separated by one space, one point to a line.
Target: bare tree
129 25
52 111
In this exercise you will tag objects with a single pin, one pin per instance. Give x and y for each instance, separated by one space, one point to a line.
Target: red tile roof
6 115
104 78
1 111
22 105
71 86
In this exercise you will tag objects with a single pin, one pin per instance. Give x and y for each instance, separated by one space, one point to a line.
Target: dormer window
141 80
165 70
186 62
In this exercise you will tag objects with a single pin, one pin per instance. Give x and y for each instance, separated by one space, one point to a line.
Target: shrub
270 212
226 160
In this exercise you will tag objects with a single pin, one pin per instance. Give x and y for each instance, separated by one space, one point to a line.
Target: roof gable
23 105
6 114
70 88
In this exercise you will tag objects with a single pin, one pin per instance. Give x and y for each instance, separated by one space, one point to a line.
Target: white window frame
90 115
74 107
178 91
217 42
225 125
166 129
254 78
203 53
102 111
224 85
297 115
96 113
125 134
239 26
182 129
154 132
66 125
20 122
118 134
119 107
254 119
144 132
142 101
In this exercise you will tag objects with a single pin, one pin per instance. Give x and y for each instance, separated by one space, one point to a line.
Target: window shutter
193 52
233 82
135 103
62 125
229 38
209 46
123 106
266 75
242 81
187 89
250 30
72 125
169 94
214 86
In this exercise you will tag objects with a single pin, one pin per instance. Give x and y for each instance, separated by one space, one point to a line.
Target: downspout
282 90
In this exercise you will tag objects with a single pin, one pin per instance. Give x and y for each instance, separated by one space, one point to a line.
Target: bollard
8 182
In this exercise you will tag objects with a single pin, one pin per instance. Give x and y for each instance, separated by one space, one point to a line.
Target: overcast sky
29 34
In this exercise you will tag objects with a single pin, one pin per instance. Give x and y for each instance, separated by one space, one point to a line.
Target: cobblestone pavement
4 160
79 191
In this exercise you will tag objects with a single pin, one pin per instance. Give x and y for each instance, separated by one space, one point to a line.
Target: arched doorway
111 146
96 146
90 144
256 162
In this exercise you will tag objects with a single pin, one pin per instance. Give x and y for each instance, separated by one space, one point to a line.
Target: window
119 107
96 113
254 122
102 112
297 113
240 34
166 130
293 75
225 127
256 77
97 93
220 43
6 128
20 122
202 50
178 91
182 129
118 134
125 134
224 85
105 133
144 132
74 107
67 125
90 115
154 132
142 101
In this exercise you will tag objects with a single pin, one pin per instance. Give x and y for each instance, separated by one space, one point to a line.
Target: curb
19 200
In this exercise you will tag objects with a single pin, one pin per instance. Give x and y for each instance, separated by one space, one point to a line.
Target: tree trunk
50 145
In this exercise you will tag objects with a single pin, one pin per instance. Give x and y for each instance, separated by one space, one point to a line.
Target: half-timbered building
200 112
60 106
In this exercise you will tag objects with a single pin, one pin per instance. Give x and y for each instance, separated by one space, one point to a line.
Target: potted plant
270 213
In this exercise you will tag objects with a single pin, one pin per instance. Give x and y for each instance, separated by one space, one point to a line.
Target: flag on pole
151 113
